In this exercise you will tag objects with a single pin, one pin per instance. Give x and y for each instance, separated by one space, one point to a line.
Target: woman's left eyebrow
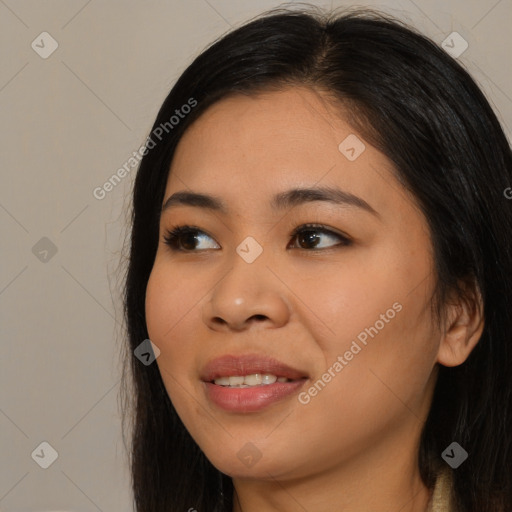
281 201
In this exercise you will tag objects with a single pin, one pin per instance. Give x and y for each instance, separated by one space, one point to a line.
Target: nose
249 296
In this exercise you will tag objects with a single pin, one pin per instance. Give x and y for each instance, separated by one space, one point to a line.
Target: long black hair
419 107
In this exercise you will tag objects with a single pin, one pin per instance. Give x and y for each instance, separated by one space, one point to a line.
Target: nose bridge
248 292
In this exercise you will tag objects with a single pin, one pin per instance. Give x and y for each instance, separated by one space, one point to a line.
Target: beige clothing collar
441 500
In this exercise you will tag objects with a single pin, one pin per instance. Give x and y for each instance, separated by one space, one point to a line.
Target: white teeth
270 379
255 379
251 380
236 381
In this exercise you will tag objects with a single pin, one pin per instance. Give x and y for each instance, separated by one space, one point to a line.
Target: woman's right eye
185 238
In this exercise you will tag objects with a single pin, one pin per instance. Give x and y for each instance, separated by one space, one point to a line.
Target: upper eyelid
319 227
312 226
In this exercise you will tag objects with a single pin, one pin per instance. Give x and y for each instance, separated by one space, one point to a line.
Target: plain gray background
69 121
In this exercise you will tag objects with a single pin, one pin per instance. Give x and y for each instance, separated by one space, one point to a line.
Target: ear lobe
463 328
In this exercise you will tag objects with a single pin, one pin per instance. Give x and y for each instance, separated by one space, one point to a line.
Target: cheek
344 302
378 320
169 316
170 299
390 366
159 302
378 386
172 310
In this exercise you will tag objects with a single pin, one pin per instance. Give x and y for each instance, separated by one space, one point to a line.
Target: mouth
249 383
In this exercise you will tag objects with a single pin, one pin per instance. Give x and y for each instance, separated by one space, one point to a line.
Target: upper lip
248 364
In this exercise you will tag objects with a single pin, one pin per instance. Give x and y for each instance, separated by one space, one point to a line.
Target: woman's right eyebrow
281 201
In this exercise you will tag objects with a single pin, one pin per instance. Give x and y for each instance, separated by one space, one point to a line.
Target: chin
252 462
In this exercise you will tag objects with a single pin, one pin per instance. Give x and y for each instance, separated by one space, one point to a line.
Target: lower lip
251 399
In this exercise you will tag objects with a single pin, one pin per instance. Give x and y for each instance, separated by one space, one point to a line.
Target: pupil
189 241
309 237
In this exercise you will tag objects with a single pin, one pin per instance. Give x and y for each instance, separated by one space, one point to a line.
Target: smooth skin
303 301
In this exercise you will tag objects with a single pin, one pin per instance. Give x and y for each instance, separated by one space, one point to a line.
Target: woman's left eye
309 234
185 238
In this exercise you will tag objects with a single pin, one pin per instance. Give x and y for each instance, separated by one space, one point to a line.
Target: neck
381 480
401 493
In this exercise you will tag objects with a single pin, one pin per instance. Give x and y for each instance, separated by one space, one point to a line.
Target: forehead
249 145
283 122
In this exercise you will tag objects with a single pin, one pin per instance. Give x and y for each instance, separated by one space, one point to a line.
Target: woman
321 257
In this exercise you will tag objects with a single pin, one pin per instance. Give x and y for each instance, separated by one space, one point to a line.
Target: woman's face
343 307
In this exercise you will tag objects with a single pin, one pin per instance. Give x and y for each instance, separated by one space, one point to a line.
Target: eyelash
172 236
